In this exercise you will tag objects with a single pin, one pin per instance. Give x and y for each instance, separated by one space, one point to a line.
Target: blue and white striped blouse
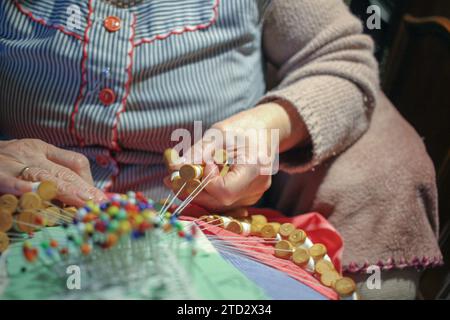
116 95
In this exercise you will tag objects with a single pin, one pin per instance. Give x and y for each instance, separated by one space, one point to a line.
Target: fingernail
85 195
101 197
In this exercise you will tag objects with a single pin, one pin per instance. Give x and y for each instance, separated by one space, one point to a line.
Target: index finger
74 161
14 185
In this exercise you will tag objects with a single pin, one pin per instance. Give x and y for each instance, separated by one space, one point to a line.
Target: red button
102 161
107 96
112 23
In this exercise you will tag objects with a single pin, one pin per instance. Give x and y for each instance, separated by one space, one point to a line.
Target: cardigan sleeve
326 70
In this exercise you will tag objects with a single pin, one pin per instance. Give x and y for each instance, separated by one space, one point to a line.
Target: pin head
106 72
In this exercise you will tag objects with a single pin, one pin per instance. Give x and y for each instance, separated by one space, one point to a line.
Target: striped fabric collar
156 19
124 3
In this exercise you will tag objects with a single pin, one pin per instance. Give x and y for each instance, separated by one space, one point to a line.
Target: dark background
413 49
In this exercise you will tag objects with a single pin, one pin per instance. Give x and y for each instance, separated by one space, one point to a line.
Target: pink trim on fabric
184 29
83 79
45 23
115 132
129 70
390 264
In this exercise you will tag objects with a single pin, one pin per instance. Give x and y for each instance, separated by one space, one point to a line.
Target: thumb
14 185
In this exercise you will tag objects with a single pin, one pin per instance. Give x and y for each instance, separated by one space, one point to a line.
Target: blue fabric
275 284
171 63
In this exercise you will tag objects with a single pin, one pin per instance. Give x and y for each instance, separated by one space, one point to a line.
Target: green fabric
210 277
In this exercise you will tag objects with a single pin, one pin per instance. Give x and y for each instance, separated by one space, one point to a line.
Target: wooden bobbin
6 220
30 201
322 266
221 221
171 158
297 237
329 278
284 249
47 190
243 219
192 186
52 216
345 286
176 181
317 251
208 219
191 171
224 170
301 257
217 221
286 229
270 230
9 203
255 229
4 242
235 227
25 221
226 221
258 219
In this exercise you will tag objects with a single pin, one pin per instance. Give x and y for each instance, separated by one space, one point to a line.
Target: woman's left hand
258 135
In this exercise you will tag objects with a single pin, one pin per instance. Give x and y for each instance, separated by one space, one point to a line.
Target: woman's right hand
44 162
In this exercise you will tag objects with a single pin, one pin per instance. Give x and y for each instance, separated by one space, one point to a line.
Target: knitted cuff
335 112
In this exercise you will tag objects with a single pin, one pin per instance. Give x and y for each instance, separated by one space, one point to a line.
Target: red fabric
315 225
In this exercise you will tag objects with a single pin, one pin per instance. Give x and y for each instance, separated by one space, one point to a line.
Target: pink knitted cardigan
367 171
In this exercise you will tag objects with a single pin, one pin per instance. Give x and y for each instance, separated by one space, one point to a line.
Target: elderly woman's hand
35 160
258 135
